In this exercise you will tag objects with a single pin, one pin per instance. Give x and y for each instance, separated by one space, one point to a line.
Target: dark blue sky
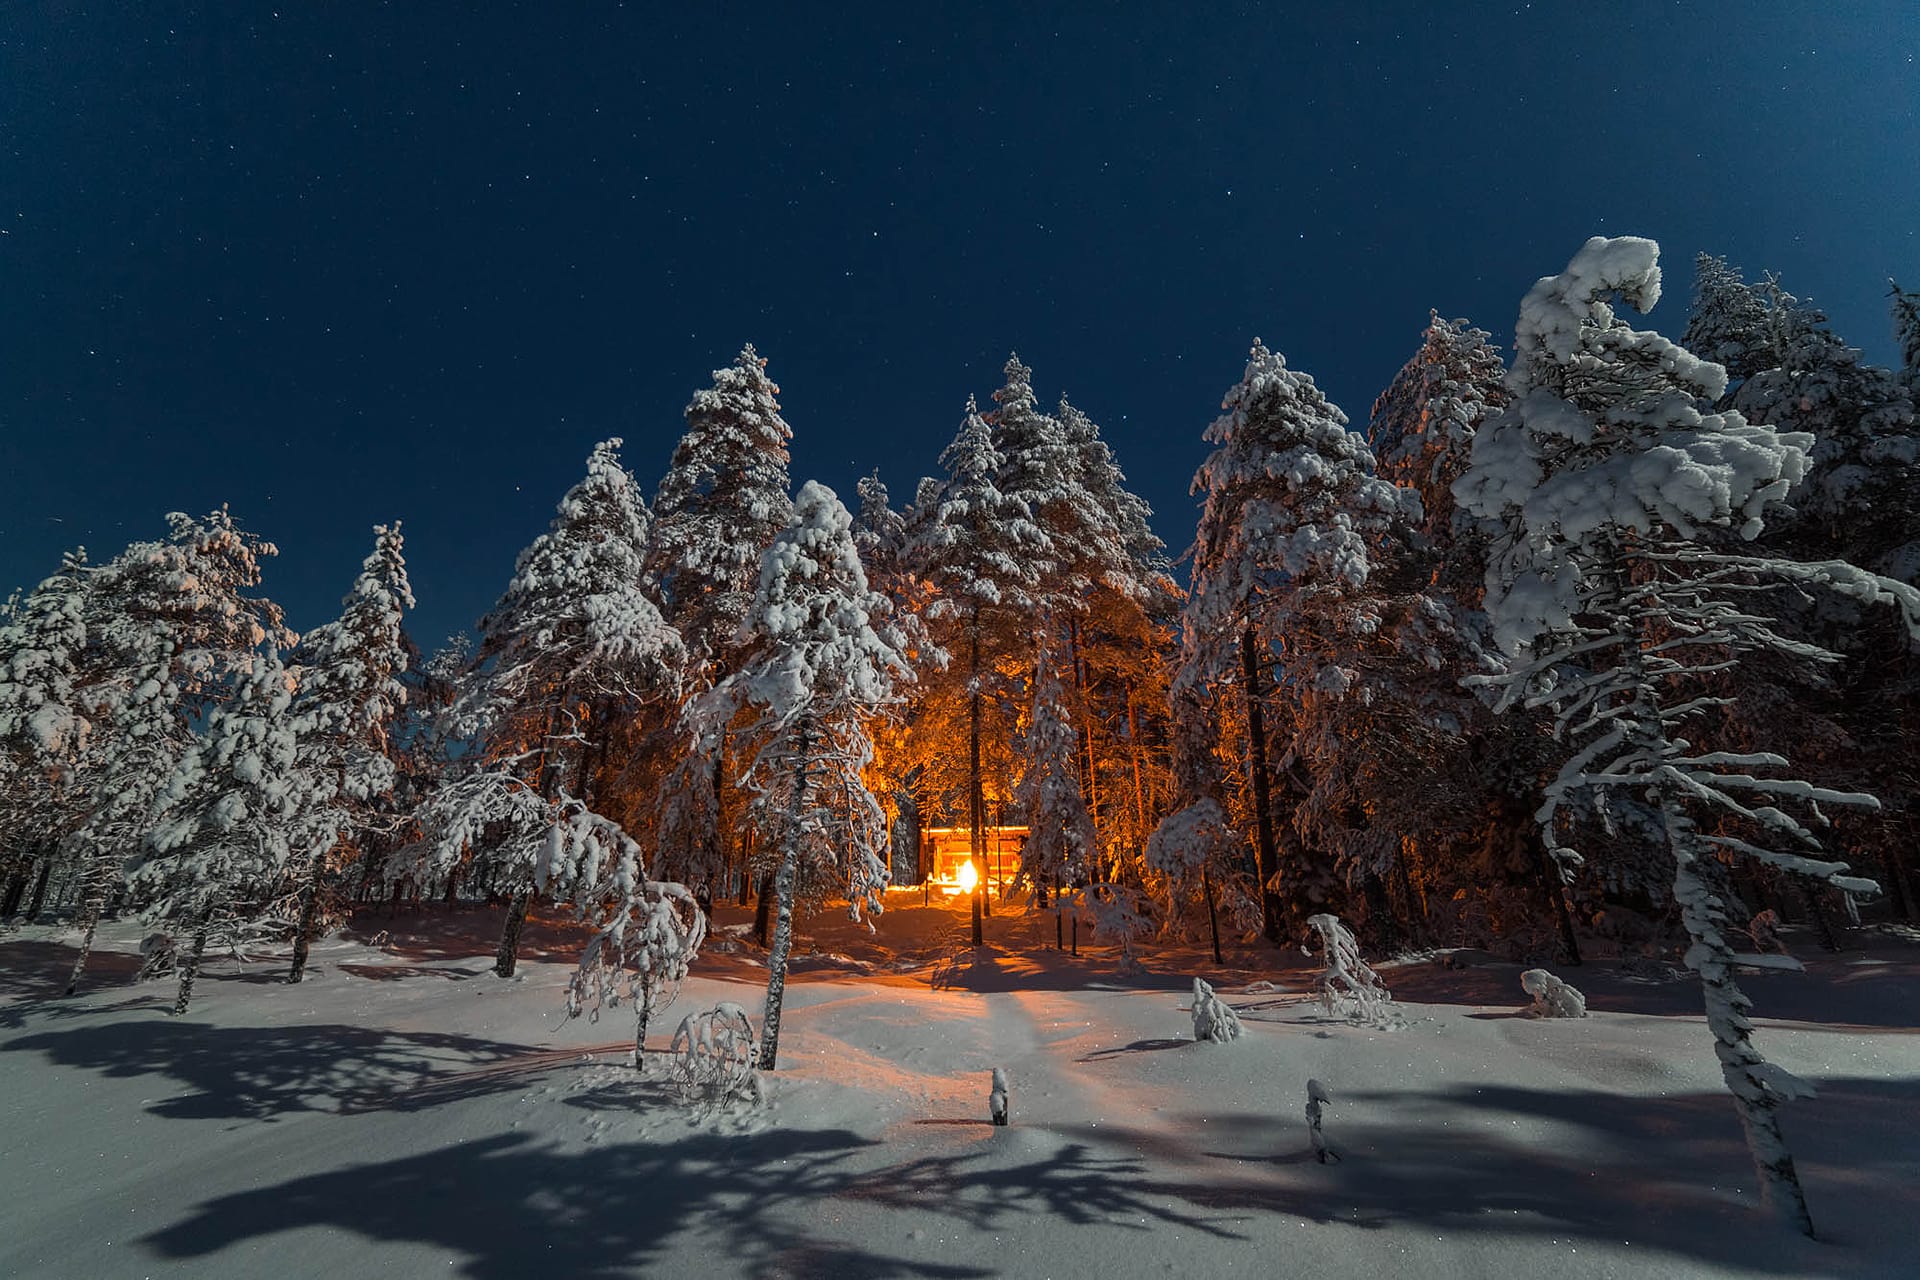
345 263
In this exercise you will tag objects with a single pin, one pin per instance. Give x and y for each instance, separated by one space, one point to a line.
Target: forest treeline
1382 681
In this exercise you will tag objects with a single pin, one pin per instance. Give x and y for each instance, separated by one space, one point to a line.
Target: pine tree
980 552
1600 479
1905 305
233 820
824 661
1423 424
1291 511
349 694
574 633
142 648
1729 323
717 509
719 506
1060 847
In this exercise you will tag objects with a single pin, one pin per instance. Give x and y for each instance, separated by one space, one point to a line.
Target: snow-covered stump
1213 1019
714 1054
1317 1100
1348 988
999 1098
1552 998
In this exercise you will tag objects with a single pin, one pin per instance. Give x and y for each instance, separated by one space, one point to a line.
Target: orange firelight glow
968 877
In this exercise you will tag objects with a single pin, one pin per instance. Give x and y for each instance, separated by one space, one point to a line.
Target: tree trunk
783 888
1551 885
976 796
1213 917
762 909
507 957
16 890
1270 908
94 903
190 963
39 897
309 912
642 1011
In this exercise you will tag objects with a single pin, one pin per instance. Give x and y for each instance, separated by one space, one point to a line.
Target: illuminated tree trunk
976 798
1213 917
1262 790
508 955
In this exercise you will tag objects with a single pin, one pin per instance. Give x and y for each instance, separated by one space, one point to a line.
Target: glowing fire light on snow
968 876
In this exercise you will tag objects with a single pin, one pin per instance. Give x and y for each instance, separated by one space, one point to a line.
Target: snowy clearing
404 1112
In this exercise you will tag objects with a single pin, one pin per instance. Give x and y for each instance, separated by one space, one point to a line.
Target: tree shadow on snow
1650 1173
261 1073
1653 1171
511 1208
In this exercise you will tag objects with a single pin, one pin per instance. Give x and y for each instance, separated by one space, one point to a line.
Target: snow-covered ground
406 1113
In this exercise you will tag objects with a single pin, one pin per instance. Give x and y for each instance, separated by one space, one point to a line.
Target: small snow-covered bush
641 955
1114 912
1552 998
714 1054
1317 1100
157 953
1348 988
1212 1018
999 1098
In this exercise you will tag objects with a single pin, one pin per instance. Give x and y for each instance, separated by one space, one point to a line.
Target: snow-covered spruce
719 506
1213 1018
574 637
348 694
980 552
822 661
1114 913
1292 511
1348 988
1552 998
1596 483
232 820
714 1055
107 670
1059 850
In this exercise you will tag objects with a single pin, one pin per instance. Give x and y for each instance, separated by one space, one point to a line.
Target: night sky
343 264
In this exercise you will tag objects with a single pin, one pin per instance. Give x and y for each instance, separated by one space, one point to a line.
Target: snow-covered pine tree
349 693
1292 511
1423 424
1059 849
822 662
723 499
717 509
574 634
980 552
43 733
1728 324
1859 498
1597 481
235 818
1905 305
642 955
108 708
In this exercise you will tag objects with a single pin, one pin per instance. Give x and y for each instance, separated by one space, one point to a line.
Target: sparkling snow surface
405 1113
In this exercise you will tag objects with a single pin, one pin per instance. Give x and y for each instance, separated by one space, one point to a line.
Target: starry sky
349 263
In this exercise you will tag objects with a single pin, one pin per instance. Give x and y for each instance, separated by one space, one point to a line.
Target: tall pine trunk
1270 908
309 912
96 880
642 1012
39 897
190 963
783 888
976 796
507 956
